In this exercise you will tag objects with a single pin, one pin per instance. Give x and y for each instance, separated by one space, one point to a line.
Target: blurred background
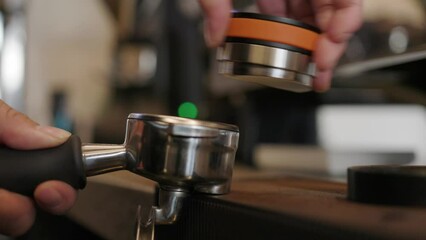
85 65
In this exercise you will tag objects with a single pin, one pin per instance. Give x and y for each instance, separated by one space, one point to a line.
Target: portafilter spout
181 155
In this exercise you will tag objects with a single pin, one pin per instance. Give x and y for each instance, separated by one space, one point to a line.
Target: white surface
372 133
351 135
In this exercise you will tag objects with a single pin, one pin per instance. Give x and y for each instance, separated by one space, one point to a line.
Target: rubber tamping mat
388 185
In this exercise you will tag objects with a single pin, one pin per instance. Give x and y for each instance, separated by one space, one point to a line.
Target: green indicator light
187 110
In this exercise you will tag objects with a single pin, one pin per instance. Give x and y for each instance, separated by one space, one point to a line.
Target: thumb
218 13
20 132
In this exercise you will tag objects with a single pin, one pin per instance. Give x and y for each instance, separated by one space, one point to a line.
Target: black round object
389 185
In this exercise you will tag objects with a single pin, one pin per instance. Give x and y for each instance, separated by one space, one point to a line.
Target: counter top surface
111 200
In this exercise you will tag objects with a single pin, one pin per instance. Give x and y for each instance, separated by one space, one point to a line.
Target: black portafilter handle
21 171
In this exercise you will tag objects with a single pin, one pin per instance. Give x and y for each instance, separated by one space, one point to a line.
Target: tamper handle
22 170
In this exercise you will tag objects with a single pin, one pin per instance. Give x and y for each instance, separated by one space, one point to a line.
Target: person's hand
337 19
17 212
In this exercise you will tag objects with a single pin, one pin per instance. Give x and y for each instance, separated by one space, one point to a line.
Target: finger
276 8
301 10
327 53
326 57
17 213
55 197
322 81
346 20
218 13
338 18
324 10
20 132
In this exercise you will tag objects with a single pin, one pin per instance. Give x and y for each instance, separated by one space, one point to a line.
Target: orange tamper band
273 32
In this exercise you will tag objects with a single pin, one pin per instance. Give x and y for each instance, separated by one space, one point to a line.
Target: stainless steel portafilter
182 155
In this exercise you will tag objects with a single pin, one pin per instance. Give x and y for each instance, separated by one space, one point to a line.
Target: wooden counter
261 205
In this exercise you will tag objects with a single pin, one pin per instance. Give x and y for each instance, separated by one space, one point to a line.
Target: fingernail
49 198
54 132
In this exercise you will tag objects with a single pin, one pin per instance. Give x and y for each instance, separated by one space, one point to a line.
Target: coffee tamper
269 50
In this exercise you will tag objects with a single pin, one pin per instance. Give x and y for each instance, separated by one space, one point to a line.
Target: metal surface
270 66
266 56
185 153
169 204
178 126
178 152
103 158
166 211
182 155
145 223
